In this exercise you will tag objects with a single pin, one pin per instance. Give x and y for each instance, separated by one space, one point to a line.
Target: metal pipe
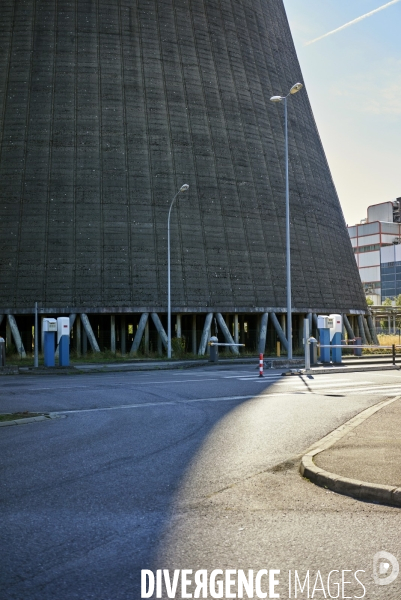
287 237
183 188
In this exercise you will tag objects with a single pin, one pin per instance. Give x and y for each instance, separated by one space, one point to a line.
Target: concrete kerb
146 366
329 370
361 490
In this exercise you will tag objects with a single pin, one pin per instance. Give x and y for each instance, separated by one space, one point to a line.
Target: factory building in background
107 109
376 242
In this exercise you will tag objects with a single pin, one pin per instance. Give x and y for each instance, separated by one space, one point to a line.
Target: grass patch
19 415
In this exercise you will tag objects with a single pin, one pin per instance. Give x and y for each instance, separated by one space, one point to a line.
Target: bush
178 347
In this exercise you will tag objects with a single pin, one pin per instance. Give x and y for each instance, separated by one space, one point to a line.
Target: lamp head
276 99
184 187
295 88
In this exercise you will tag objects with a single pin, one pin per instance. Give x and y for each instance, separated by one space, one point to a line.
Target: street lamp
295 88
183 188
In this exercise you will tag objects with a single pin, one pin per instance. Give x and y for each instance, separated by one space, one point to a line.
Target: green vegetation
20 415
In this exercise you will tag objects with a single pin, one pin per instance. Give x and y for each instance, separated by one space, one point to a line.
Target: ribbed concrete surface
108 107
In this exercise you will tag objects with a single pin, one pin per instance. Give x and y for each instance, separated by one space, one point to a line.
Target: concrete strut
361 326
123 341
205 334
314 321
372 330
78 335
139 333
16 335
279 330
226 332
160 329
367 332
263 332
113 333
348 328
89 332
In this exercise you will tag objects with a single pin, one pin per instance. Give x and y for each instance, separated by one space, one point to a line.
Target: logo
385 568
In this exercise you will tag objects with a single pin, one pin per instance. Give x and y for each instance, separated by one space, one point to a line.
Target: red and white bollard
260 365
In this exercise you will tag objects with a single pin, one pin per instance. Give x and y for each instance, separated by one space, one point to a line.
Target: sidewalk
362 458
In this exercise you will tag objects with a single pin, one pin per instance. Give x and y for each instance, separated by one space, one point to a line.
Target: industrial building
108 108
377 251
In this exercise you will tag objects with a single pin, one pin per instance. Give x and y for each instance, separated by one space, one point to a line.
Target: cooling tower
108 107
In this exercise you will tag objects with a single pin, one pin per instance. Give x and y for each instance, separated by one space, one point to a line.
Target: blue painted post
324 338
49 332
63 337
336 353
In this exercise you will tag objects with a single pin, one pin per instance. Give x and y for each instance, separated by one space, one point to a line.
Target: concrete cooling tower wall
108 107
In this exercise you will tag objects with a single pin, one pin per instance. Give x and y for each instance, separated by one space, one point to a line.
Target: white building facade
377 251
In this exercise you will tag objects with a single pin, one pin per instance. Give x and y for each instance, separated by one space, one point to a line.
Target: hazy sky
353 78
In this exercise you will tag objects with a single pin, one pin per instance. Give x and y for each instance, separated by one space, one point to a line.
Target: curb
158 366
361 490
324 371
31 420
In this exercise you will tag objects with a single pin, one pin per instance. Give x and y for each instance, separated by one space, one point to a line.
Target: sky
353 79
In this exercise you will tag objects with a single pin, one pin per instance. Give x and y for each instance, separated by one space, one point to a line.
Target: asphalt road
181 470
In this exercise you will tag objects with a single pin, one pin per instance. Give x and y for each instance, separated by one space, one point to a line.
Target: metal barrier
371 346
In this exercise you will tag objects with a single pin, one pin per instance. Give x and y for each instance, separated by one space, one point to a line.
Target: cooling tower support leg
263 333
367 332
178 326
372 328
348 328
279 331
236 329
226 333
1 319
361 325
78 333
193 334
147 337
113 333
123 336
160 328
89 332
205 334
139 333
16 335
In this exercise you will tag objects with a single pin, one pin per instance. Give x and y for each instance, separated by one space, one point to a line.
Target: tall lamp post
183 188
295 88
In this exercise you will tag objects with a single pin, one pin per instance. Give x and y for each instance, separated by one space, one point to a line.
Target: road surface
188 469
